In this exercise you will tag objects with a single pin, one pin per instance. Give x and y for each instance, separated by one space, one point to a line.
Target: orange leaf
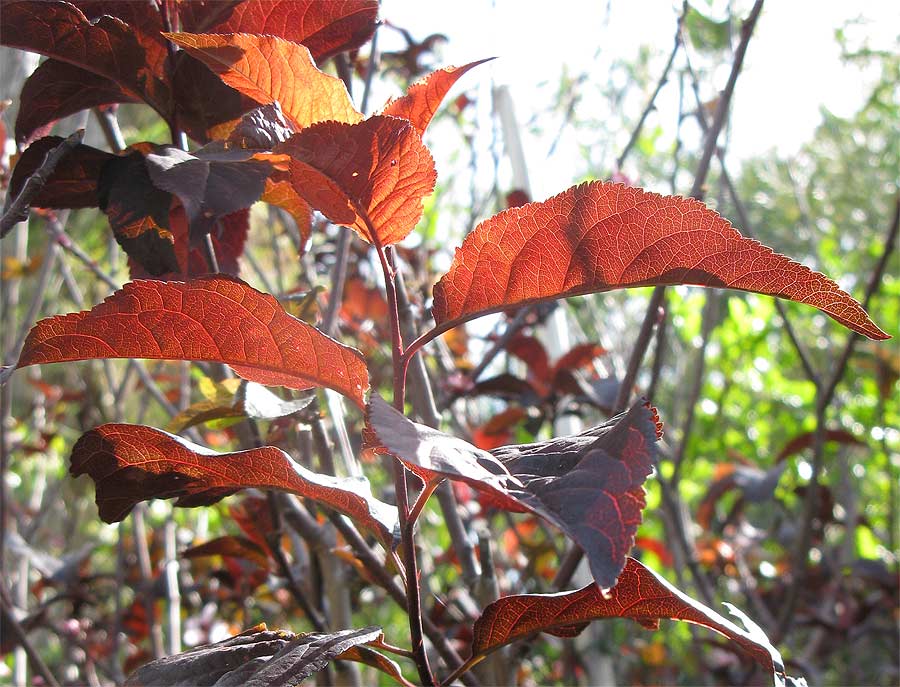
326 28
214 319
600 236
640 594
134 463
267 68
424 97
371 176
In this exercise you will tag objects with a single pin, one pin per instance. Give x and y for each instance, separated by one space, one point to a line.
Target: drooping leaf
371 176
58 89
210 182
807 440
263 128
134 463
234 547
754 484
424 97
531 352
430 453
73 183
325 28
370 657
589 485
139 213
213 319
256 658
106 46
640 594
600 236
267 68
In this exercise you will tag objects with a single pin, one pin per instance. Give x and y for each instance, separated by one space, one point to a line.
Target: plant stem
413 594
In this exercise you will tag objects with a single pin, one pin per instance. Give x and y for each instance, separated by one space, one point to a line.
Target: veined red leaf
640 594
58 89
325 28
600 236
134 463
589 485
267 68
73 183
424 97
214 319
106 46
371 176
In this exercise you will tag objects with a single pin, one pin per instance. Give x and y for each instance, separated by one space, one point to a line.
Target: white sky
792 68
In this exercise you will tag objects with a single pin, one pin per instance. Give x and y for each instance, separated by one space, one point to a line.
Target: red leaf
214 319
57 89
807 439
73 183
588 485
325 28
371 176
267 69
234 547
532 352
133 463
600 236
640 594
106 46
424 97
579 356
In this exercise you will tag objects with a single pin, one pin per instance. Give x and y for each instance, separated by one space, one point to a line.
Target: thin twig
34 658
663 80
18 209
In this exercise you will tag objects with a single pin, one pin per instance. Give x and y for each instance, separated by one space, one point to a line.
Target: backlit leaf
57 89
371 176
267 68
589 485
640 594
213 319
424 97
73 183
134 463
600 236
106 46
325 28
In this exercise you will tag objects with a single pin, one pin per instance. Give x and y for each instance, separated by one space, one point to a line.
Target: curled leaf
134 463
640 594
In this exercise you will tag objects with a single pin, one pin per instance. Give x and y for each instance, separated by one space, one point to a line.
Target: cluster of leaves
242 81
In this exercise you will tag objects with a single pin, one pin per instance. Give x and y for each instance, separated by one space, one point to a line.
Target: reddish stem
413 596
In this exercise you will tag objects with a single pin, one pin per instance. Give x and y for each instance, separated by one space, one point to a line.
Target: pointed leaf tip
215 319
601 236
